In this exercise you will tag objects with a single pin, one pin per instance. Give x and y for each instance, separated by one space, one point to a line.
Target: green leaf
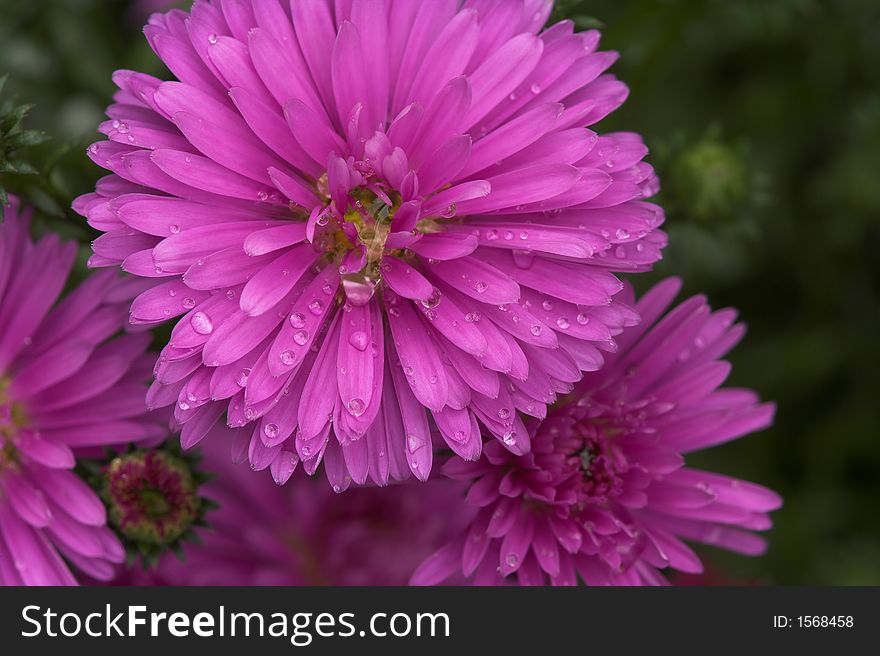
12 118
26 138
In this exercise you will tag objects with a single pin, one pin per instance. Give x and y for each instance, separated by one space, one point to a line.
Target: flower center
12 420
601 468
151 497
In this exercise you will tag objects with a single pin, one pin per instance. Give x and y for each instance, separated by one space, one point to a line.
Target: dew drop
316 307
287 358
536 330
563 323
174 228
297 320
504 413
414 443
301 337
270 430
201 323
188 303
481 287
358 340
242 378
212 39
583 319
448 212
433 300
523 259
356 407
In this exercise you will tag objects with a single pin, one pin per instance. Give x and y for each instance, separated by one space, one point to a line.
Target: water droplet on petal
504 413
188 303
563 323
270 430
358 340
316 307
356 407
414 443
201 323
433 300
212 39
359 292
523 259
481 287
287 358
174 228
301 337
448 212
297 320
242 378
536 330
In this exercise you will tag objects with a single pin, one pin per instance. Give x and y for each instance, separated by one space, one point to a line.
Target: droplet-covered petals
428 165
605 495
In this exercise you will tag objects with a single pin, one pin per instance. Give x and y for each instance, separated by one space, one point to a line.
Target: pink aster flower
604 496
304 534
67 386
372 221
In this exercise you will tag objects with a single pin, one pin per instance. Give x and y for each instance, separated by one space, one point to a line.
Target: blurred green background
763 119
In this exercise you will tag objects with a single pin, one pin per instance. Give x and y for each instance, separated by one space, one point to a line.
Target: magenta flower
604 496
376 221
66 387
304 534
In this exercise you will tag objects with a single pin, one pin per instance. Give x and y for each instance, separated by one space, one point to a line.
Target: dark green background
763 117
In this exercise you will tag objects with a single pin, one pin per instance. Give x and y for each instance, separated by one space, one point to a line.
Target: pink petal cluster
605 497
372 221
304 534
68 386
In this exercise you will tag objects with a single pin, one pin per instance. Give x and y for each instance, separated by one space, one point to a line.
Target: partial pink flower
372 222
69 386
605 496
304 534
